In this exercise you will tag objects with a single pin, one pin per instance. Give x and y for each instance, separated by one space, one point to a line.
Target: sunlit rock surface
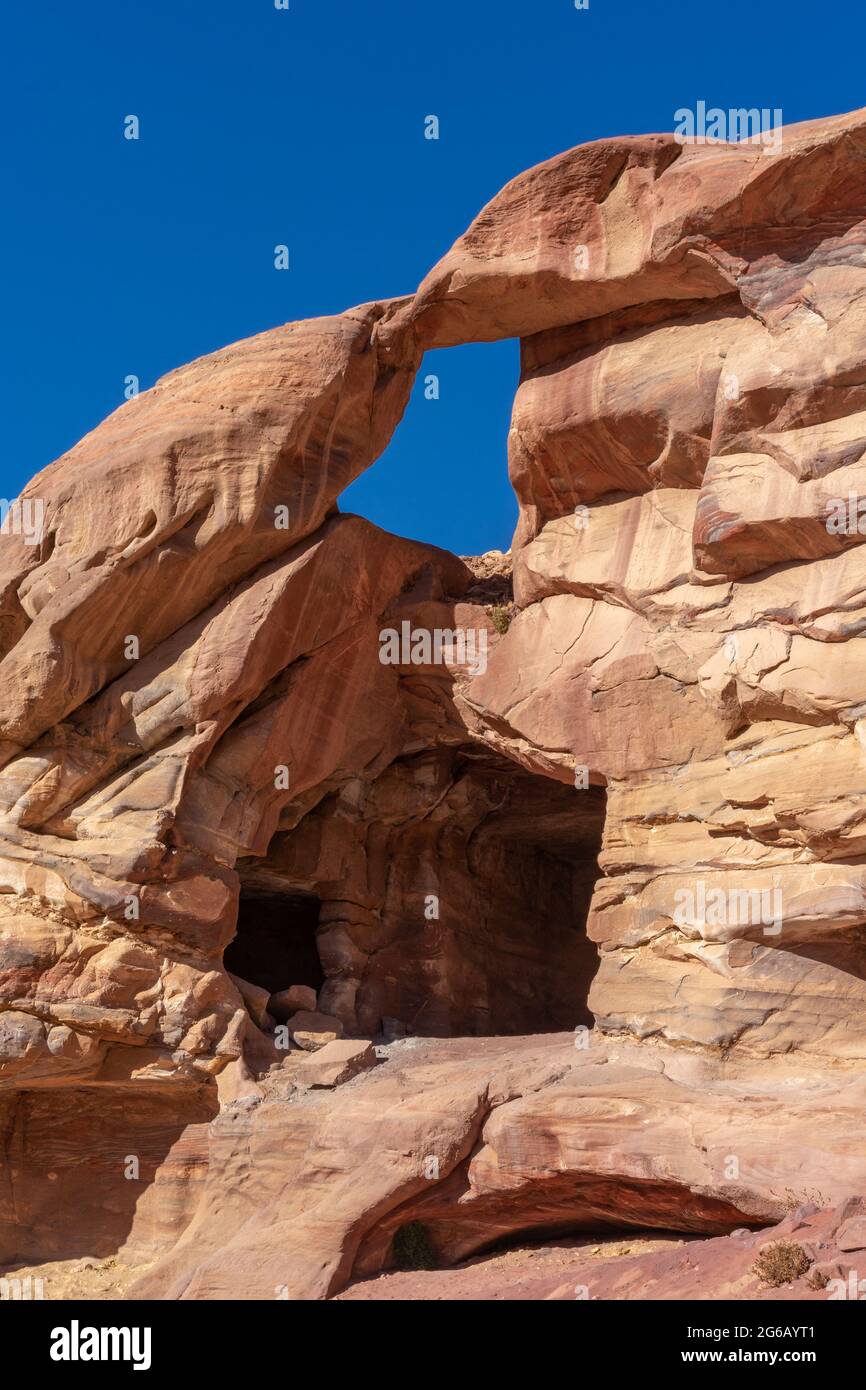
613 781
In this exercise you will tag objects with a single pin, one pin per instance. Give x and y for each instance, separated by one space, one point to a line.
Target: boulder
312 1030
337 1062
256 1000
292 1000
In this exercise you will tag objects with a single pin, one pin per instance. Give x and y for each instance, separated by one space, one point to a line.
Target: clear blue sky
305 127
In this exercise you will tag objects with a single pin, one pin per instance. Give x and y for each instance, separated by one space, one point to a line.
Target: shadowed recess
275 945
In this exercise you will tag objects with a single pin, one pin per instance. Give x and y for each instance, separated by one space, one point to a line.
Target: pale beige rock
256 1000
527 1134
336 1062
313 1030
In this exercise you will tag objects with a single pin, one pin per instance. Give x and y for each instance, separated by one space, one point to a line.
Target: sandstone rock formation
619 786
722 1267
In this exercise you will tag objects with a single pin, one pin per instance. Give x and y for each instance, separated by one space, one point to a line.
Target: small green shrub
412 1248
500 618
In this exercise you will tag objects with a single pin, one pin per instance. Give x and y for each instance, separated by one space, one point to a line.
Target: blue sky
305 127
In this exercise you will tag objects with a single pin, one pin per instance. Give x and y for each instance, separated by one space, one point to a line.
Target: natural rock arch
687 627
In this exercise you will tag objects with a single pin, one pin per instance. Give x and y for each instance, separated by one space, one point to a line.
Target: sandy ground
88 1279
532 1271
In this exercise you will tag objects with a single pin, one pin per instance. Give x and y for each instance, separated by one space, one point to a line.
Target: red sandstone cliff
640 815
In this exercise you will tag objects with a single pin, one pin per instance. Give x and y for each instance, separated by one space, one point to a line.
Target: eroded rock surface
612 781
647 1267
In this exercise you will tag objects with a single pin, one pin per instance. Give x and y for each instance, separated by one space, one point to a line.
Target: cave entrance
484 879
275 945
458 907
511 856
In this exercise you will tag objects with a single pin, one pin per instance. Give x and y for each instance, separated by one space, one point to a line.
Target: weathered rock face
830 1245
452 895
254 751
481 1139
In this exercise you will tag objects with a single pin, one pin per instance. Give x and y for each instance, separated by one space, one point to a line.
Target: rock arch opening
462 393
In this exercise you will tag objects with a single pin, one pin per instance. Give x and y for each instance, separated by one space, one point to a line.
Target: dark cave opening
275 945
459 906
516 862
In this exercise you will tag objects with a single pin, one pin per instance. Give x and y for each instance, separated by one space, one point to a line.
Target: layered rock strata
618 788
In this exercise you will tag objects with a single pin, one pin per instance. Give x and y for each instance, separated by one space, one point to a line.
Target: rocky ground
85 1278
640 1267
527 1272
830 1247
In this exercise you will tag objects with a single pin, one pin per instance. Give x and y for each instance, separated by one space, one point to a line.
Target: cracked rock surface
640 816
